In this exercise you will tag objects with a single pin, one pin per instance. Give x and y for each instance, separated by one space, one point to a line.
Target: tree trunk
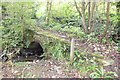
83 7
92 17
81 14
49 4
89 16
108 21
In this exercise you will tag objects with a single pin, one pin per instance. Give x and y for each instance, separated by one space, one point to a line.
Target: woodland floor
56 69
107 50
41 69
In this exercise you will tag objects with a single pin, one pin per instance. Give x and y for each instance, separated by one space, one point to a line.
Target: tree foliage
16 22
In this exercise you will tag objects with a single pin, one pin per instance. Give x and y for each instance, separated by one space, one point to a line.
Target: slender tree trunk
89 16
92 17
83 7
108 21
83 17
49 4
49 11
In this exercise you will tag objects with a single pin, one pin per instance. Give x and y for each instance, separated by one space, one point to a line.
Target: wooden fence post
72 50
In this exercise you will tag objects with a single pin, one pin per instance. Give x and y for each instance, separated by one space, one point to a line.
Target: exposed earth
40 69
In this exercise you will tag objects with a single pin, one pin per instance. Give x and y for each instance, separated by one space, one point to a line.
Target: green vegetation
90 23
